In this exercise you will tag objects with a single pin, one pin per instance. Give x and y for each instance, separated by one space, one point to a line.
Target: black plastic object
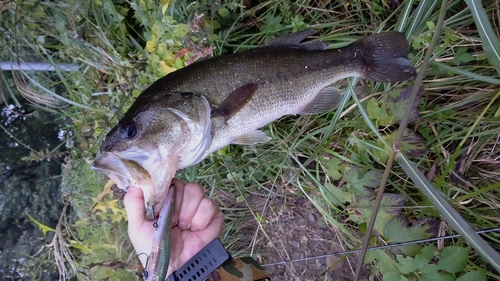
206 261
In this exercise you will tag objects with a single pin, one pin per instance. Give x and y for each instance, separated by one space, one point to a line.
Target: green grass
323 158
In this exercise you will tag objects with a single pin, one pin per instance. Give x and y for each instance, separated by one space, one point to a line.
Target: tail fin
383 57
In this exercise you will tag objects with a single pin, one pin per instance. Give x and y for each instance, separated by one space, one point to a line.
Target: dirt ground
294 229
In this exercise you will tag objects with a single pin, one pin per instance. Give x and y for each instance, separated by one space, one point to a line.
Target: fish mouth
151 173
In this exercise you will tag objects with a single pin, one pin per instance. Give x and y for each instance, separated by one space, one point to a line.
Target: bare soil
293 229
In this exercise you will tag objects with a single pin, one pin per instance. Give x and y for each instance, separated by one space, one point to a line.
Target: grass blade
449 213
420 16
488 37
404 17
59 97
364 114
472 75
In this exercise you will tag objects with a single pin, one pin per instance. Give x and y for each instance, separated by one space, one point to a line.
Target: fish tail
383 57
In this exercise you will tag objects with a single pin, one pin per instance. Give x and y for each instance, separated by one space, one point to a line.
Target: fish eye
127 131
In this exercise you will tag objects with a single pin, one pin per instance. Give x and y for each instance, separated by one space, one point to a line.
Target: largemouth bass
192 112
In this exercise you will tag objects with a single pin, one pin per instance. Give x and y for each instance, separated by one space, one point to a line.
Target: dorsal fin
295 40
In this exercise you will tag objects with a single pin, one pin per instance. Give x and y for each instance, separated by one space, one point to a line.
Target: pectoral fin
252 138
326 100
235 101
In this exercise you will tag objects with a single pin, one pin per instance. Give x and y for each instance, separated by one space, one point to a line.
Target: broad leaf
476 275
335 195
357 181
406 264
398 231
389 208
379 113
384 261
333 166
429 272
412 144
397 103
394 276
424 256
454 259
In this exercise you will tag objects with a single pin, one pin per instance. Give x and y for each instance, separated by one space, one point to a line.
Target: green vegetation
336 160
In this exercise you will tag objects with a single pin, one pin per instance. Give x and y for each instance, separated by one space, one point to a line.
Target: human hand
197 221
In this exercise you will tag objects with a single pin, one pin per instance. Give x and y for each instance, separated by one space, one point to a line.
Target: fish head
155 138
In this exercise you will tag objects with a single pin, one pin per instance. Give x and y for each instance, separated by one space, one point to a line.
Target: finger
179 195
192 196
134 205
214 228
138 226
207 210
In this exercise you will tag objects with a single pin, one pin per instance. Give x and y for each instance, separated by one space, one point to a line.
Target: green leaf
389 208
426 255
462 56
394 276
181 30
79 246
412 144
430 272
335 195
397 102
272 23
333 167
384 261
42 226
406 264
476 275
223 12
379 113
397 231
454 259
357 182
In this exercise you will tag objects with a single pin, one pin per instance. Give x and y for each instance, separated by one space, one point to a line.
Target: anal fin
327 99
252 138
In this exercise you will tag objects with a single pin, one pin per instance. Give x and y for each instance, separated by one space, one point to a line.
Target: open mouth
123 172
151 175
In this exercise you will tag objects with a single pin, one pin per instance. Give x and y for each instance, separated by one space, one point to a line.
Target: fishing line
379 247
